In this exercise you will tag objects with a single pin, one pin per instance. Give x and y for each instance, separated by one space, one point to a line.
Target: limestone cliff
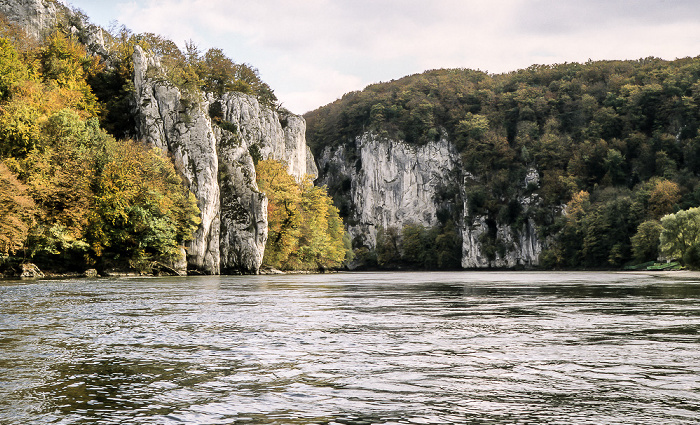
278 135
39 17
35 16
387 183
216 161
391 184
514 247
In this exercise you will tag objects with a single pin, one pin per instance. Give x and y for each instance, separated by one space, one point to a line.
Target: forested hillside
614 145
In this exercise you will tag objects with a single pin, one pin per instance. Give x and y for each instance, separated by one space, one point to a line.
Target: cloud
562 16
313 51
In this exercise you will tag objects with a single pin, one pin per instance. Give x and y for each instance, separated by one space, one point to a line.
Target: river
353 348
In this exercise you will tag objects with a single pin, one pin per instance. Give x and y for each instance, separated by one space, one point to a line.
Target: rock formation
214 141
392 183
35 16
389 183
39 17
216 161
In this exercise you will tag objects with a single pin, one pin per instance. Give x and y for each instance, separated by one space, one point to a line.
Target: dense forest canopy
614 143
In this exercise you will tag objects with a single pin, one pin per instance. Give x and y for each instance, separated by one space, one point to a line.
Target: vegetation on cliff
191 71
615 144
304 229
73 196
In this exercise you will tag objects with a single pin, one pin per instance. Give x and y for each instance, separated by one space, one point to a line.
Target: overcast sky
311 52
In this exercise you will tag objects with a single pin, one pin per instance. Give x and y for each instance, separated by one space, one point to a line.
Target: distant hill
612 143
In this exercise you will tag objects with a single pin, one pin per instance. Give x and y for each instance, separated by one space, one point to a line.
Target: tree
388 246
143 213
65 64
645 243
17 212
413 247
662 197
283 215
219 73
12 70
304 228
681 232
322 230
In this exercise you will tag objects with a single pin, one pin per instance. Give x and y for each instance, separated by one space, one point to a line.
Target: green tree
388 247
645 243
681 232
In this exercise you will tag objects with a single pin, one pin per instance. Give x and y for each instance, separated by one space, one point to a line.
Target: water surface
359 348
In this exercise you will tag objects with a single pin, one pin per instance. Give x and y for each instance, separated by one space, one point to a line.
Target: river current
353 348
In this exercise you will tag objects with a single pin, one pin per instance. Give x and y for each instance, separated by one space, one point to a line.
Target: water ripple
367 348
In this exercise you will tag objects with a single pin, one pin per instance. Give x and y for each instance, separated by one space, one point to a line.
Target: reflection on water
387 348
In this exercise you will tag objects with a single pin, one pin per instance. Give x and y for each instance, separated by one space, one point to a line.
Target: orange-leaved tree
304 228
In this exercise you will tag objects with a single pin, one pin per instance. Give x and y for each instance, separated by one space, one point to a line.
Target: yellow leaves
17 212
12 70
59 181
80 184
64 66
305 231
283 215
142 202
577 207
663 196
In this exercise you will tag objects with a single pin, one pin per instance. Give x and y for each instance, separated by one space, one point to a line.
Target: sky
311 52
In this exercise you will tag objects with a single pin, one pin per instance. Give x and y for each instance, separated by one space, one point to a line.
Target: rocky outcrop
509 245
182 128
39 17
391 183
31 271
278 135
215 157
35 16
382 183
515 248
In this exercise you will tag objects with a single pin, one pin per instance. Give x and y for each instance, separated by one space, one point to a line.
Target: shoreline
49 275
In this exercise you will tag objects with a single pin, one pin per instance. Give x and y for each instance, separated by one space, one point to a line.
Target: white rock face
39 17
392 184
187 134
217 164
515 247
521 248
277 136
396 184
35 16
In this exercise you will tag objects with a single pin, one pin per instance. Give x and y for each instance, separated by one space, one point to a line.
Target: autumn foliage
304 229
73 196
